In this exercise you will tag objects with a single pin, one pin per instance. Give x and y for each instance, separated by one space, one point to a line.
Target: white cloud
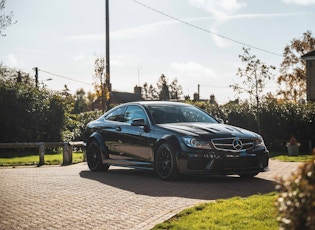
127 33
12 60
219 9
300 2
193 70
79 57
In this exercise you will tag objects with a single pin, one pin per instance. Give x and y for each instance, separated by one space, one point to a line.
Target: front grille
233 144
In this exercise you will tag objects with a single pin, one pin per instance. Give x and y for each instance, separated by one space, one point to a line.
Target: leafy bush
278 121
296 201
30 114
76 124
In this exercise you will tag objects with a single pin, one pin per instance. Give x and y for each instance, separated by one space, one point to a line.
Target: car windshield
162 114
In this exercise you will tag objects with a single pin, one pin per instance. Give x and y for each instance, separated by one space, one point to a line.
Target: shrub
296 201
30 114
76 123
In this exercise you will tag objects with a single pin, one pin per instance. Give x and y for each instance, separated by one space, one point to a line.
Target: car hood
209 129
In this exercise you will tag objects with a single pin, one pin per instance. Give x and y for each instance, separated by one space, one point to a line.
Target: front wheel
165 163
94 158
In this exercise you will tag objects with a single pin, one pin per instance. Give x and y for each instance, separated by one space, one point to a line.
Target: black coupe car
172 138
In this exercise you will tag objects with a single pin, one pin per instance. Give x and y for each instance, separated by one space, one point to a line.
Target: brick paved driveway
72 197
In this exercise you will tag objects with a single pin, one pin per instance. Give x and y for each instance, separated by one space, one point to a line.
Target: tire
94 158
165 163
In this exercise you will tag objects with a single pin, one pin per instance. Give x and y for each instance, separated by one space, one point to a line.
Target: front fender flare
98 137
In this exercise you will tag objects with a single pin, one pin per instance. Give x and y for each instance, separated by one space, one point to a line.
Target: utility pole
107 79
36 76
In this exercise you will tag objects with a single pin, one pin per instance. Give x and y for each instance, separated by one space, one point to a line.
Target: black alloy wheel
94 158
165 163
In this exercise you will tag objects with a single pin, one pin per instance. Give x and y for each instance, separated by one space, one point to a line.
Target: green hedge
30 114
278 121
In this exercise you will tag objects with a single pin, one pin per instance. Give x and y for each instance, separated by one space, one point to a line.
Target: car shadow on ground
188 186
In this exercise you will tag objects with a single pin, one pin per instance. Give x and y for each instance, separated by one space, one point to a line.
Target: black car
172 138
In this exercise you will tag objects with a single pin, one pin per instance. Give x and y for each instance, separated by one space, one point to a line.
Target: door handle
118 128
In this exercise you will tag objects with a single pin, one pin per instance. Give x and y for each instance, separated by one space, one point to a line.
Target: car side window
116 115
134 112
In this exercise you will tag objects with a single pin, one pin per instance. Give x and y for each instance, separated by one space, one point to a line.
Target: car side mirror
140 122
137 122
220 120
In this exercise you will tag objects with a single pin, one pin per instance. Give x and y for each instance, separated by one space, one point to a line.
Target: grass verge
254 212
50 159
299 158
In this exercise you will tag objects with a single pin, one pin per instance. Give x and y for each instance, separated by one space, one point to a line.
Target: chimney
137 90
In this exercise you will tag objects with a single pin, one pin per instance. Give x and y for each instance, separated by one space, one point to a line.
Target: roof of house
309 56
123 97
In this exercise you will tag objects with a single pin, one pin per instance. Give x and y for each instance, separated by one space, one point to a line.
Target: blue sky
65 37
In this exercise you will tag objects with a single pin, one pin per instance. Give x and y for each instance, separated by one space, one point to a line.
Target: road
72 197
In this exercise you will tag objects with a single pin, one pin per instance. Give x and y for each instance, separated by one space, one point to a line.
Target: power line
205 30
68 78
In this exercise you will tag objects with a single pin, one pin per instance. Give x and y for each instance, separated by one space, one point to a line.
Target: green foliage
296 201
300 158
76 123
293 69
164 90
278 120
50 159
29 114
255 212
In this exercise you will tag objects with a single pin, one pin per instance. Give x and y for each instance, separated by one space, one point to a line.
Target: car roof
146 103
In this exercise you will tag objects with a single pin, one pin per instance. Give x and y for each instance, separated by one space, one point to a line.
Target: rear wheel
94 158
165 163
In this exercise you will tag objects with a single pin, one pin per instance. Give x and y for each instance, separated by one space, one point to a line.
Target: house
310 75
117 98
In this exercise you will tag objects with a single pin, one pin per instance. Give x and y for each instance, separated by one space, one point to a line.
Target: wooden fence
67 149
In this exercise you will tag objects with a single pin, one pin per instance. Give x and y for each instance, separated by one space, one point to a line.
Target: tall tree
149 92
293 68
175 90
99 79
80 104
5 19
163 91
255 75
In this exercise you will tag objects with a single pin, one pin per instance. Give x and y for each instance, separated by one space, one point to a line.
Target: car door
133 140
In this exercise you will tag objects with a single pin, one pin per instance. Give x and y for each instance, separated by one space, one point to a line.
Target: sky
197 42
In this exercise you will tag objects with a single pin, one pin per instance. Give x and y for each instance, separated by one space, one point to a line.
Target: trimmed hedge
278 121
30 114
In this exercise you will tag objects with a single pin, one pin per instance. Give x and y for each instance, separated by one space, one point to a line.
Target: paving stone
72 197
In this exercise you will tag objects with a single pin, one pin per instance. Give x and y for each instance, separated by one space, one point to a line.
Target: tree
5 20
164 94
175 90
256 74
293 68
149 92
99 83
163 91
80 104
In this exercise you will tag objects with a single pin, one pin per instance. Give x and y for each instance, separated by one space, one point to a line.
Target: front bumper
223 162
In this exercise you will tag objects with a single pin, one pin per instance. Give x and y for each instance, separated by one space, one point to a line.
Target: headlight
196 143
259 142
